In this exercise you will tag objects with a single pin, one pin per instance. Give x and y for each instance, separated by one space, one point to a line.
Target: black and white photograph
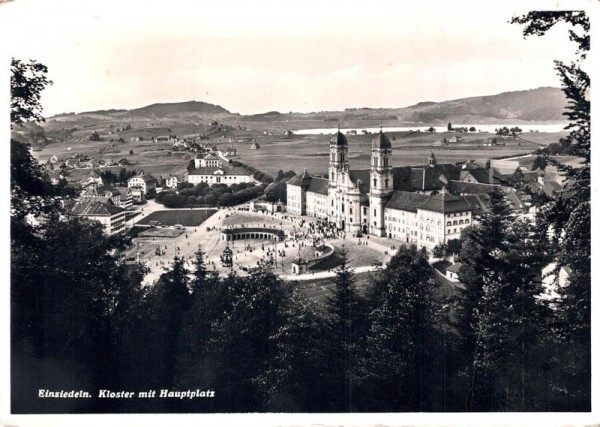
297 212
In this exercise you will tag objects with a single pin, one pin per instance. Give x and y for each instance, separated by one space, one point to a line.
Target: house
210 160
220 175
255 146
141 185
109 215
180 146
453 271
172 181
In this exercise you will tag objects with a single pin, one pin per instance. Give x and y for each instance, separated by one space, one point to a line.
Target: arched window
387 182
453 222
461 222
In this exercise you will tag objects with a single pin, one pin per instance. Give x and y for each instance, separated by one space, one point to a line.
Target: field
187 218
312 151
276 152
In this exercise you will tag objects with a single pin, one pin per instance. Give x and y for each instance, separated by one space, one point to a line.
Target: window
386 182
453 222
466 221
374 182
374 212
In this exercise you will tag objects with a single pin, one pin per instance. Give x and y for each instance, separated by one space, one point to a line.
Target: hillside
167 109
542 104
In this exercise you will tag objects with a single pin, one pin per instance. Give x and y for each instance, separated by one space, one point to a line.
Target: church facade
408 204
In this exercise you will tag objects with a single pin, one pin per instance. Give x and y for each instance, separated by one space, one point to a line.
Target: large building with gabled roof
409 204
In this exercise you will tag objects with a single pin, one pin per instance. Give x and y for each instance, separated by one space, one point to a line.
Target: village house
141 185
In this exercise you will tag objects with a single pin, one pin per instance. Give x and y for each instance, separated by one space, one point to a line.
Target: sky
284 55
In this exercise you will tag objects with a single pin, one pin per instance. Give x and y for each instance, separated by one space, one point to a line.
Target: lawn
187 218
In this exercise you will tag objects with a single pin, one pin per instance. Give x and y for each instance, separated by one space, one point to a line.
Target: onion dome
339 139
381 141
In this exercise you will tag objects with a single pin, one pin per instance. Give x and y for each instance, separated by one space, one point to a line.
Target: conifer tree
400 347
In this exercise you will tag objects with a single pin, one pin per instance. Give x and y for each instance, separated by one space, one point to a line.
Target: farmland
129 135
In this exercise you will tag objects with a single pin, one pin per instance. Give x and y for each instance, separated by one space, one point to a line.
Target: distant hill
541 104
167 109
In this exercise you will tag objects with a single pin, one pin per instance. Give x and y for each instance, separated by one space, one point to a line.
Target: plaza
302 234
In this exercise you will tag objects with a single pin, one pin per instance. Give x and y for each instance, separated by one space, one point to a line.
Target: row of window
460 222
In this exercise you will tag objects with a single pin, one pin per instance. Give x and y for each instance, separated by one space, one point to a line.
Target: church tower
382 182
338 179
338 155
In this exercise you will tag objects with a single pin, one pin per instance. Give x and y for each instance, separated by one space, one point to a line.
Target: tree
400 348
450 128
95 136
569 217
439 251
167 305
431 129
27 82
345 326
294 379
240 347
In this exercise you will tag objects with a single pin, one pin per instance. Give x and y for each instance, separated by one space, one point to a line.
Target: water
547 128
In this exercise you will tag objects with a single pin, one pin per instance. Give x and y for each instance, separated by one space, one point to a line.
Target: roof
338 139
381 141
405 201
103 189
481 175
401 177
364 176
95 208
145 177
318 185
454 268
210 156
445 203
428 178
460 188
302 179
478 202
226 170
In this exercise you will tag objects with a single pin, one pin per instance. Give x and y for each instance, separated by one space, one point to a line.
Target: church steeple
432 161
381 164
338 152
382 182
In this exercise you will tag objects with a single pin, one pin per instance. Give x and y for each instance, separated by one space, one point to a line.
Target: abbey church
409 204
